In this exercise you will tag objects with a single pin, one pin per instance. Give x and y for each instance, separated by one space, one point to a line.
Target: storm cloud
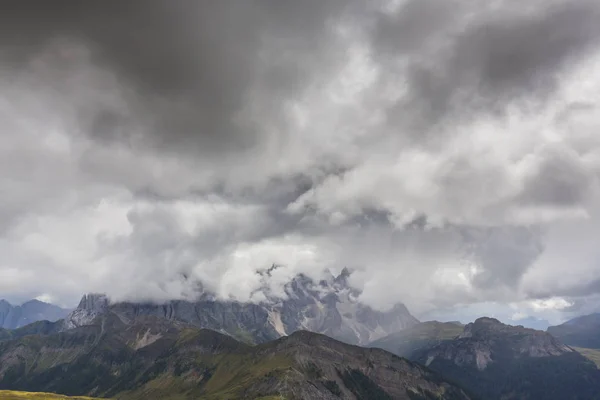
441 149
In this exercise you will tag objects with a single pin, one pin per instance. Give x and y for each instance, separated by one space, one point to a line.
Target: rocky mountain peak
483 326
487 340
93 302
90 306
330 307
500 362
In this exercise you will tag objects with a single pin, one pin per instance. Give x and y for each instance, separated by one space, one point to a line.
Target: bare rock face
329 307
90 306
487 339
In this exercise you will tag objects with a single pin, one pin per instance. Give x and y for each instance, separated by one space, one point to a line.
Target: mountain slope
582 331
329 307
591 354
497 361
38 327
156 358
417 337
12 317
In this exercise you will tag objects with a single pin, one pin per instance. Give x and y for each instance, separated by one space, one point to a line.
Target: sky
447 151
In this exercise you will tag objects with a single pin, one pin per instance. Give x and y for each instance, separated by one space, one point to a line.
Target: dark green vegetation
420 336
582 331
497 361
160 359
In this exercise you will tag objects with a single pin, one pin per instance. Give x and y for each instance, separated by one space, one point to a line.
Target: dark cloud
575 290
410 28
561 180
502 256
194 66
482 58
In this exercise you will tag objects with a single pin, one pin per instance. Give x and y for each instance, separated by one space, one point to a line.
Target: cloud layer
448 151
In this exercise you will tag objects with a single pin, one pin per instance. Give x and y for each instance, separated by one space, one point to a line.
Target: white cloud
400 147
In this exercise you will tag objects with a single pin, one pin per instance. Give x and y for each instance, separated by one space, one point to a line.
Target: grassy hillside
13 395
591 354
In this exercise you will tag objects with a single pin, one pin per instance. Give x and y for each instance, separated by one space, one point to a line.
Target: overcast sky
446 150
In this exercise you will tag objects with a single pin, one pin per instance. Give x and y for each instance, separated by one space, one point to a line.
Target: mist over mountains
329 307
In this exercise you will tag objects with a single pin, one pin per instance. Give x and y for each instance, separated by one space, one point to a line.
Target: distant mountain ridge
583 331
408 342
329 307
13 317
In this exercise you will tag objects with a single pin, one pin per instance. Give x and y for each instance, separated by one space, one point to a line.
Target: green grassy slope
591 354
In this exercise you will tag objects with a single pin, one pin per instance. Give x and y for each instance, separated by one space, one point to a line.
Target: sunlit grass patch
14 395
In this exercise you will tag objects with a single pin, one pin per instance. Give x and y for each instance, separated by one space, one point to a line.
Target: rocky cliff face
12 317
497 361
90 306
329 307
487 339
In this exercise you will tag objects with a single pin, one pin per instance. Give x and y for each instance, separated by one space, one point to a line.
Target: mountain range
168 359
12 317
303 346
330 307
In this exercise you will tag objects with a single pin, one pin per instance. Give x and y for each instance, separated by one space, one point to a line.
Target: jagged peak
90 306
93 301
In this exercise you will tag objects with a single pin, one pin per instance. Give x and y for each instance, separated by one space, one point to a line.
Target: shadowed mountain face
497 361
12 317
421 336
328 307
36 328
156 358
582 331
